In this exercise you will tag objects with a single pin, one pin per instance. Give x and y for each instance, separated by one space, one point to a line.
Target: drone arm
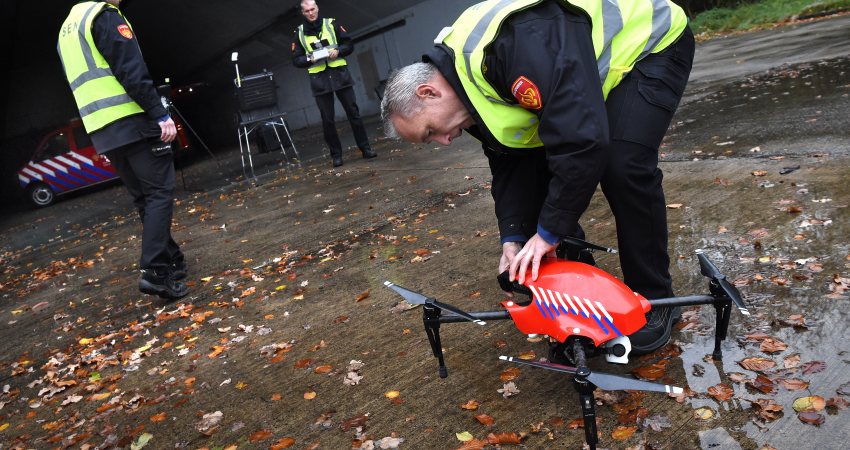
481 315
691 300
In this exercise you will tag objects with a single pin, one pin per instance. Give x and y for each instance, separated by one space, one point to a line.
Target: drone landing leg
585 390
723 311
588 412
431 317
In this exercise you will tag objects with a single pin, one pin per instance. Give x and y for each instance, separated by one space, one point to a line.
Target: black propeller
581 244
708 269
604 381
416 298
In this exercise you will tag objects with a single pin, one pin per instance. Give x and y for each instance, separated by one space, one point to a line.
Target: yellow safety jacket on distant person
307 43
99 96
623 33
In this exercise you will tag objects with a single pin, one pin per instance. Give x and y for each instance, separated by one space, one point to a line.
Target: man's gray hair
400 94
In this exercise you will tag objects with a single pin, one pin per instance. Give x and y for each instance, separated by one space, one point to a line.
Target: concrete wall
389 50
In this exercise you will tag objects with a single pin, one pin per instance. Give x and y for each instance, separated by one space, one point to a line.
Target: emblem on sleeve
125 31
527 93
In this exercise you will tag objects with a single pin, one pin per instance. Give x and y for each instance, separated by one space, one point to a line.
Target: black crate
257 91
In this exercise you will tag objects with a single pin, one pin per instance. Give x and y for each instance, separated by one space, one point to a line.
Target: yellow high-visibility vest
623 33
307 43
100 97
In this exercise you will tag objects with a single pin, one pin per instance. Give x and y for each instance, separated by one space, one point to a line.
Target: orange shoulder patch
125 31
527 93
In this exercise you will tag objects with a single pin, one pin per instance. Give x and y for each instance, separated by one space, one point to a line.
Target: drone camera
617 350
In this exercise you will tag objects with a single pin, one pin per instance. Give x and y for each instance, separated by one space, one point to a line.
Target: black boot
179 269
656 332
162 283
368 153
337 161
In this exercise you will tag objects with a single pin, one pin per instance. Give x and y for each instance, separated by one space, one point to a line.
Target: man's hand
169 130
509 252
333 54
533 251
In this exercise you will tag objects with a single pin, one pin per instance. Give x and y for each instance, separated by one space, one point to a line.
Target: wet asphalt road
755 174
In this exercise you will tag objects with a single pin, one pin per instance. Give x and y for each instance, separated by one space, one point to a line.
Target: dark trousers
325 102
640 109
150 181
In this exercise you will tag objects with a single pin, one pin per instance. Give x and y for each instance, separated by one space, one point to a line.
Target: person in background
124 116
320 45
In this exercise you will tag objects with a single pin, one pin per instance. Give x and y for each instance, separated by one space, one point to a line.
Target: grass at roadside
761 14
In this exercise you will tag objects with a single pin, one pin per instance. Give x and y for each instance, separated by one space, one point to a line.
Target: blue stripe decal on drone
600 325
613 327
564 310
547 308
540 306
554 307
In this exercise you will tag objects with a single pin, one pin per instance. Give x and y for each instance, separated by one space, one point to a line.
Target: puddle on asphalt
765 114
793 269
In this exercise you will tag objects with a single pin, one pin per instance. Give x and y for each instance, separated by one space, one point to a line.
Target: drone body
585 312
575 299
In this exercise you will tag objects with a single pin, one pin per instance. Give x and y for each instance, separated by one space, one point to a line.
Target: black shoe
337 162
369 153
656 332
162 284
179 269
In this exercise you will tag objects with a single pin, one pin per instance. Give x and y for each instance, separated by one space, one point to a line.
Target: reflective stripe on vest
100 98
307 41
623 32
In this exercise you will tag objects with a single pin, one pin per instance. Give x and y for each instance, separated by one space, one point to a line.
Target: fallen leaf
811 403
508 389
471 405
812 367
674 206
504 438
209 422
767 409
704 413
464 436
392 394
484 419
762 383
474 444
772 345
260 435
837 403
791 361
362 296
354 422
653 371
793 384
141 441
721 392
159 417
622 433
282 443
759 173
302 363
757 364
323 369
811 418
527 356
309 395
509 374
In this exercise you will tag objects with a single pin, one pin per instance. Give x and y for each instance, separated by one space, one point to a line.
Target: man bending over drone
563 95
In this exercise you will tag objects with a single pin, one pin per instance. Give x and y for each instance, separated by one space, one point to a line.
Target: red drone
587 312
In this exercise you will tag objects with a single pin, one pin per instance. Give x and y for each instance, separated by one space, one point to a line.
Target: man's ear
426 91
